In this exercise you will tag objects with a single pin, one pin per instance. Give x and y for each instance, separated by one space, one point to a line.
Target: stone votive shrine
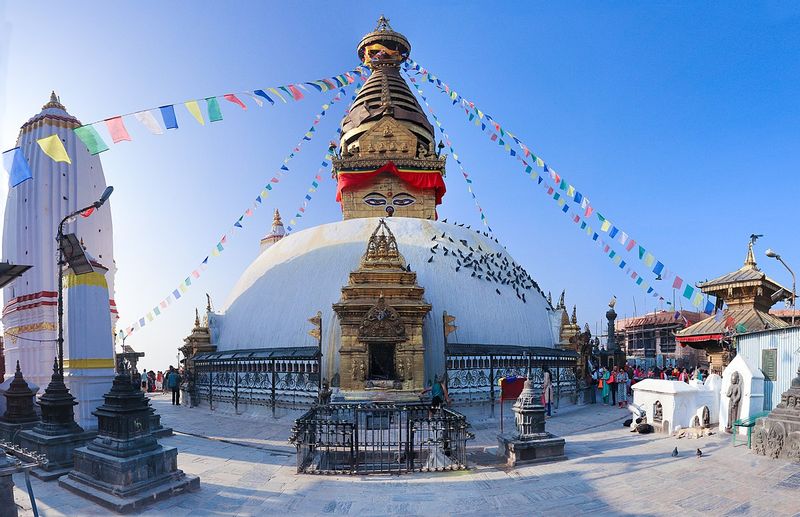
530 443
778 435
57 435
20 413
125 468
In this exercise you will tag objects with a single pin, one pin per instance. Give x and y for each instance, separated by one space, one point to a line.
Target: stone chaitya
20 413
125 468
381 313
778 435
530 443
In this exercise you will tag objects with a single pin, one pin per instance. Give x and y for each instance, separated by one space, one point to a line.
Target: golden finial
54 102
276 219
574 320
196 317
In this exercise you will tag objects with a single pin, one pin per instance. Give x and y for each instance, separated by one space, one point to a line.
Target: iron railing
473 370
378 438
265 377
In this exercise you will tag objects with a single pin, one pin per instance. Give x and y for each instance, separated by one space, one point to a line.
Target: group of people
159 381
615 384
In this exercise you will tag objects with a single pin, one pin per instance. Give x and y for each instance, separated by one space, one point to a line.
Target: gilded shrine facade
381 312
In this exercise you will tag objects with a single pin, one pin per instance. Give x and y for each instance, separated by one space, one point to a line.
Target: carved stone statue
734 399
362 371
409 369
401 370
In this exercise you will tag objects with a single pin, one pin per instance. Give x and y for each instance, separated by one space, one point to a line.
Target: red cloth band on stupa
416 178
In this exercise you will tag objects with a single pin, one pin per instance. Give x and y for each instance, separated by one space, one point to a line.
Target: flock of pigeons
483 265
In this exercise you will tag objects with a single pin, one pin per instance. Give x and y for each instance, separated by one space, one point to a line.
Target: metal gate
379 438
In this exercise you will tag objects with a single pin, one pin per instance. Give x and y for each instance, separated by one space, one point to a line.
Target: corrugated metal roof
750 317
489 349
660 318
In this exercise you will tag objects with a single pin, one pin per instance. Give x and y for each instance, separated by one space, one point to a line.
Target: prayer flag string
562 190
453 153
221 245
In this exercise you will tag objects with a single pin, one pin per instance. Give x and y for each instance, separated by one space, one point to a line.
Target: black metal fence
378 438
286 377
473 371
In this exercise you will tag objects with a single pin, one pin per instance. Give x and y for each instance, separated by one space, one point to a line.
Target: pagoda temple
748 293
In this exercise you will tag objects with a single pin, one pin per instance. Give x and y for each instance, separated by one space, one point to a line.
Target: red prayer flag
630 245
297 94
117 129
236 100
677 283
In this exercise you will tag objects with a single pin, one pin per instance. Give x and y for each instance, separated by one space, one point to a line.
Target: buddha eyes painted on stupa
400 199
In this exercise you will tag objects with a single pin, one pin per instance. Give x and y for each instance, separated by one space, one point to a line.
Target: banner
503 137
219 247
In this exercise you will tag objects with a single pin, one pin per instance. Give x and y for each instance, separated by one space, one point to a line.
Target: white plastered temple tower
33 212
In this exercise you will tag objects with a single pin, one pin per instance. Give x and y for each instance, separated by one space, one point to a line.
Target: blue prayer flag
565 208
594 237
318 87
579 198
622 265
176 294
659 267
17 166
261 93
709 308
284 167
237 223
168 114
613 232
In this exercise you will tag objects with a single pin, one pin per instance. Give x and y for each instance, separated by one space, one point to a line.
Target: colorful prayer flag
194 109
262 93
148 120
91 139
53 147
168 115
236 100
214 113
17 167
677 283
117 129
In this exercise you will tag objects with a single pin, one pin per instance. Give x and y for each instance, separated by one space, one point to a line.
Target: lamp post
97 204
771 254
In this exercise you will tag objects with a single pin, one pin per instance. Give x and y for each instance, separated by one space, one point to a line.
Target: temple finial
54 102
750 259
276 219
383 24
574 320
196 317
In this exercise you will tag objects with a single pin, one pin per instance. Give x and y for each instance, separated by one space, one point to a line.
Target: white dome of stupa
304 273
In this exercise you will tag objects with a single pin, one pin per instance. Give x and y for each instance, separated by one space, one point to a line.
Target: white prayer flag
147 119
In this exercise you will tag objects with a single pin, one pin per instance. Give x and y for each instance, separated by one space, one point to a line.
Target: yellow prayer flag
276 92
215 252
571 191
539 162
149 316
182 288
54 148
561 201
194 109
605 226
649 259
644 286
697 299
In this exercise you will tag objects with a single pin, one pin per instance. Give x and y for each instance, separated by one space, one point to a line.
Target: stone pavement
246 467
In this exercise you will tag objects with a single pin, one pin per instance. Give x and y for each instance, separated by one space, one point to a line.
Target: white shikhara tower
33 211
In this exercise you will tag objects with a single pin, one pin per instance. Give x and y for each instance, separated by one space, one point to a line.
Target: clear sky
679 120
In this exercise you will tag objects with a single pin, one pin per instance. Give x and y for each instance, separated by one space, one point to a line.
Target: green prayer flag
687 293
641 253
214 113
91 139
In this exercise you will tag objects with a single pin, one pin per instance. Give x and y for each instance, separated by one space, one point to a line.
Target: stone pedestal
778 435
125 468
156 429
530 443
57 435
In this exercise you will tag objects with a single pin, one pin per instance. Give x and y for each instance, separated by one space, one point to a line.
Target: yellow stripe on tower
88 364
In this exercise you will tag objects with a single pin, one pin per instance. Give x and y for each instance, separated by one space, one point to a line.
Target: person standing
547 389
606 389
174 384
622 388
439 394
612 385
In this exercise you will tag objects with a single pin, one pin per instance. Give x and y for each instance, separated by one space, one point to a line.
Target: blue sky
678 120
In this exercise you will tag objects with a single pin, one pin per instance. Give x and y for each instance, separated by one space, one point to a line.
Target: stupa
383 277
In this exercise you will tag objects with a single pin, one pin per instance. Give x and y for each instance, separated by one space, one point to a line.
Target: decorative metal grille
263 377
377 438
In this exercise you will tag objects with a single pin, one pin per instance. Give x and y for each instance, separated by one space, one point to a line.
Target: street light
60 238
771 254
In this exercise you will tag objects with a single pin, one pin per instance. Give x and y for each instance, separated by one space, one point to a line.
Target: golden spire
276 220
574 320
196 317
750 259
